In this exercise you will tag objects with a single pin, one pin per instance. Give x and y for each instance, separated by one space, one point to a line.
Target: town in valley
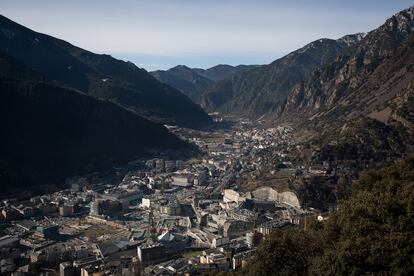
163 216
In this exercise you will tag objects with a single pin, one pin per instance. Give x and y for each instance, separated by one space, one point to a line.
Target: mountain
258 91
185 79
375 80
223 71
51 131
101 76
194 81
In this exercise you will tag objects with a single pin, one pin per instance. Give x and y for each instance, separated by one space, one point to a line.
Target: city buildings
158 212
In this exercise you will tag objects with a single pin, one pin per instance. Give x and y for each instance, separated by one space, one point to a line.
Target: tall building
96 208
66 269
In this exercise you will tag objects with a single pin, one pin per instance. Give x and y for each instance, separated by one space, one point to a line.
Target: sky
160 34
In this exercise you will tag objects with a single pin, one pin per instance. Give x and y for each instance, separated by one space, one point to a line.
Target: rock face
261 90
267 193
100 76
51 131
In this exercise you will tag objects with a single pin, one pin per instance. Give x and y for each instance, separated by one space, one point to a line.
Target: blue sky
159 34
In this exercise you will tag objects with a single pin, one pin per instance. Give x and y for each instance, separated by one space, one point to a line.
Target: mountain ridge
356 82
194 81
253 93
100 75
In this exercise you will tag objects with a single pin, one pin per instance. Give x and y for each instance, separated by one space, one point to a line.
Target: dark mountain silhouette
51 131
101 76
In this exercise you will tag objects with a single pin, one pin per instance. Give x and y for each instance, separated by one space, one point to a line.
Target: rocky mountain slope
101 76
375 79
51 131
261 90
360 107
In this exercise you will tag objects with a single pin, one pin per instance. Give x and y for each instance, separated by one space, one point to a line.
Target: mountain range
328 81
101 76
194 81
355 92
255 92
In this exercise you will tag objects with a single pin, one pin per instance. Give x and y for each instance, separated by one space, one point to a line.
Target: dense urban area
161 215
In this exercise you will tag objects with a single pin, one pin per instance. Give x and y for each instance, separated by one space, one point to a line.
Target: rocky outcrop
269 194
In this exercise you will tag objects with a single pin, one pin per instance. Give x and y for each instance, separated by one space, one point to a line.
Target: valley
302 166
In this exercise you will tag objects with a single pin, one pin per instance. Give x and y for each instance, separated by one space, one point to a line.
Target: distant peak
180 67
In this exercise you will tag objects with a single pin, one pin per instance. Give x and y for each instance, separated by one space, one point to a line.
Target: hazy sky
159 34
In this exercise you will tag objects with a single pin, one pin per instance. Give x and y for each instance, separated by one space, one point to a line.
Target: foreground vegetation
371 233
